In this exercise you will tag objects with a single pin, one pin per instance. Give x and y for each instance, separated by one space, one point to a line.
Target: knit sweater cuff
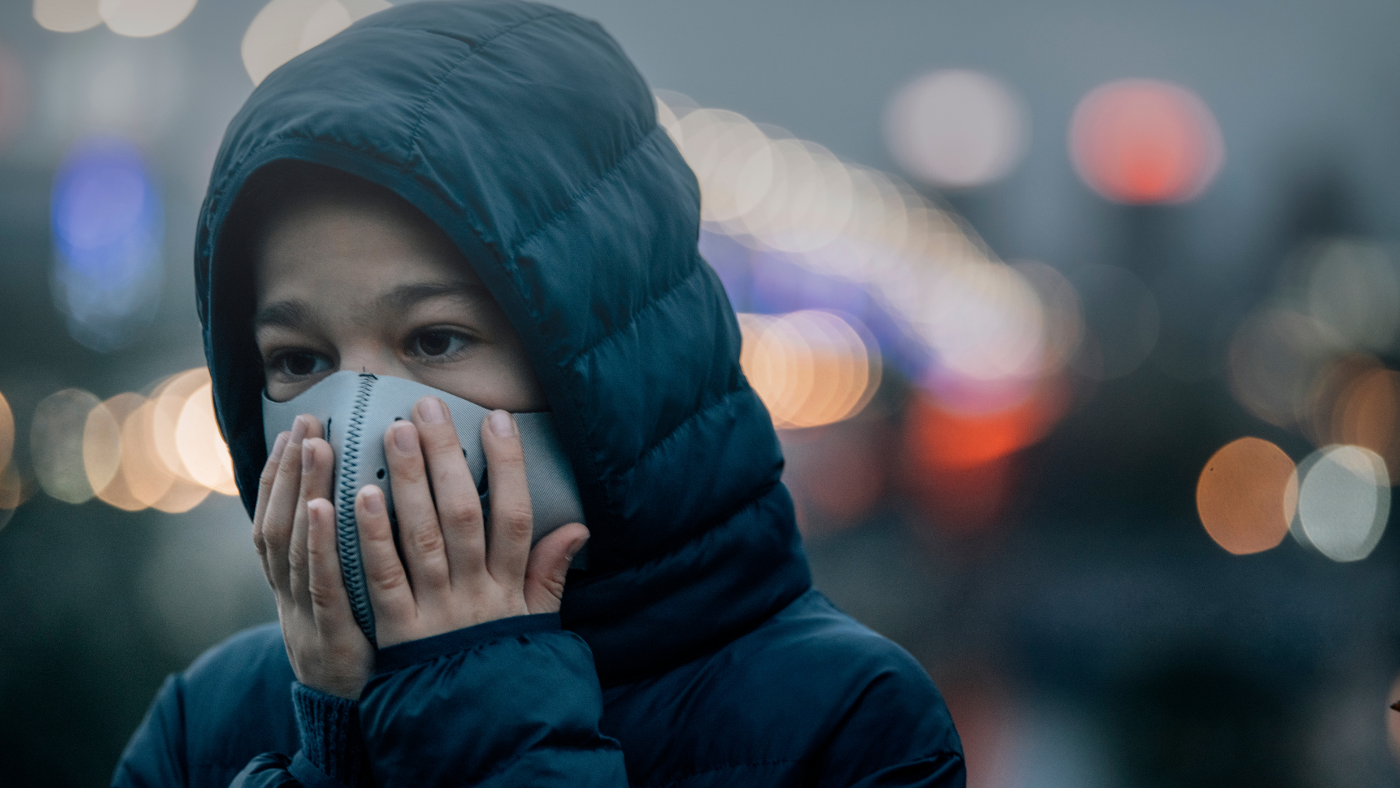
330 735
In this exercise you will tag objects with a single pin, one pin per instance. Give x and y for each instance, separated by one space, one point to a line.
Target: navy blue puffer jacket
692 651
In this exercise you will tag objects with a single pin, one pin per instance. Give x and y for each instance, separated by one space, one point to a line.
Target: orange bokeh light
1145 141
1367 414
1246 495
946 438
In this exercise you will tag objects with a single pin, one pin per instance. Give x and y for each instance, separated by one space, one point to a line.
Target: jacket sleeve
155 755
897 733
513 702
331 755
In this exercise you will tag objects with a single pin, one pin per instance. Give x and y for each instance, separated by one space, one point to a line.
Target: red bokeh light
1145 141
961 467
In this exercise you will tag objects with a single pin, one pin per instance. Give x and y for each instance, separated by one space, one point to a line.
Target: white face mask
357 408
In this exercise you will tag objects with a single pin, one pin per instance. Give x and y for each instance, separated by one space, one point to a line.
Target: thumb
549 564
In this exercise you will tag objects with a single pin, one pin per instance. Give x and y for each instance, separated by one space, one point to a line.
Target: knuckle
427 539
323 596
297 557
390 578
518 518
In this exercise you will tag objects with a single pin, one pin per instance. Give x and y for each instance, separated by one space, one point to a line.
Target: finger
512 519
282 507
424 555
389 594
454 492
316 464
269 475
330 604
549 566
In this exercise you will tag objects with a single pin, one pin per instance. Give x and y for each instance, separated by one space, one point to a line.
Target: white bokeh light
956 128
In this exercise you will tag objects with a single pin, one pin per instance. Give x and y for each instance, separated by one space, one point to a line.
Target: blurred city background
1080 322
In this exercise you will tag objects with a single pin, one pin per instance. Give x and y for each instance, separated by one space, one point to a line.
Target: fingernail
278 445
404 438
308 457
502 425
373 498
298 429
432 410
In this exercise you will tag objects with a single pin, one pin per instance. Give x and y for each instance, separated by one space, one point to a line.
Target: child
477 197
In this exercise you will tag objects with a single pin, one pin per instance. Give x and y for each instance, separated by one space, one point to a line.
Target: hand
294 532
450 577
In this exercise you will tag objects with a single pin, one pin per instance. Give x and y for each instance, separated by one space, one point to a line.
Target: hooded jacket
692 650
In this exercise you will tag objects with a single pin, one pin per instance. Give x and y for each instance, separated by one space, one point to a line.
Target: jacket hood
526 134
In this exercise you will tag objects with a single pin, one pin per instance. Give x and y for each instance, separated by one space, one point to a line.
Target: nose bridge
370 356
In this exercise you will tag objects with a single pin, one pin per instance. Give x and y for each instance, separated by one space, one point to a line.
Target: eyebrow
293 313
296 313
406 296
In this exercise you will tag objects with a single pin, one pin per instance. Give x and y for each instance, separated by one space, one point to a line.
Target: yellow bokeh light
1247 495
811 367
118 491
67 16
7 433
102 446
774 193
170 398
201 447
56 444
150 480
144 18
284 29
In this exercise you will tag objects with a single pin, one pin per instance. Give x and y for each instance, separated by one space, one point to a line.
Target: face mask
355 409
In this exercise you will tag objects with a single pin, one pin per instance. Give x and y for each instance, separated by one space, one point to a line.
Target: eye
299 363
438 344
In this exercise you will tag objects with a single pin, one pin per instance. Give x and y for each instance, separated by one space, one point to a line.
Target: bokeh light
7 433
1275 359
201 446
118 491
1121 321
956 128
1063 319
67 16
796 202
1247 495
108 229
810 367
56 444
144 18
1343 502
951 437
1367 414
158 451
1354 288
284 29
1145 141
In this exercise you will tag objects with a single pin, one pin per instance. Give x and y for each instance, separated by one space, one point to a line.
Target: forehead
328 246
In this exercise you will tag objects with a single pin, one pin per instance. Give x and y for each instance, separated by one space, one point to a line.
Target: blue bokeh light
108 230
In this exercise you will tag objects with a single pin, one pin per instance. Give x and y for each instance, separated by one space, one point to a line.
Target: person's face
359 285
